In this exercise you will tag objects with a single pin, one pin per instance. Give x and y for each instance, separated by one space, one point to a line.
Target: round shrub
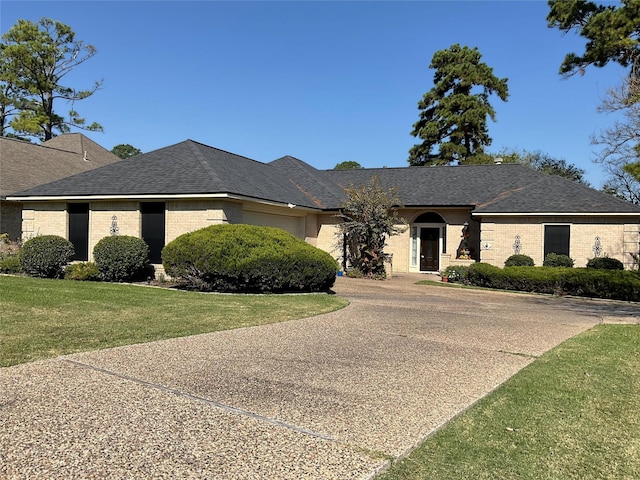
519 260
555 260
247 258
45 256
83 271
605 263
122 258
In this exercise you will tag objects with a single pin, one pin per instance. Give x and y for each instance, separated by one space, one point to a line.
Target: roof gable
25 165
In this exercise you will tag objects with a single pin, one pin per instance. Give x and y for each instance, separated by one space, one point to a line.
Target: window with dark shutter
153 229
79 229
556 239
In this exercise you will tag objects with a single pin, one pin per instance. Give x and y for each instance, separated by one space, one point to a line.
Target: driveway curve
329 397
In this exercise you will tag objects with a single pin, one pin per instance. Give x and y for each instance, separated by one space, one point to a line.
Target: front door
429 249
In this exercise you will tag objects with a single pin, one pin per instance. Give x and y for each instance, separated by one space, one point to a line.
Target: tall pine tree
34 59
453 114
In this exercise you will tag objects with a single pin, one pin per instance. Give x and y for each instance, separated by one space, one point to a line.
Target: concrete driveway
328 397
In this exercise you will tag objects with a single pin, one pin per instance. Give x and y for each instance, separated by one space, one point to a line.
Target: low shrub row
555 260
117 259
586 282
226 258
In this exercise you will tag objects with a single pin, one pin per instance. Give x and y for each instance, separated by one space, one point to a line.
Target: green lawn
45 318
572 414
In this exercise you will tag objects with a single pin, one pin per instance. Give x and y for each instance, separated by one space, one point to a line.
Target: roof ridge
201 158
225 151
39 145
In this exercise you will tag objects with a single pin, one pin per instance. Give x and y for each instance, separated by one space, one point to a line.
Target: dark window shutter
153 228
557 239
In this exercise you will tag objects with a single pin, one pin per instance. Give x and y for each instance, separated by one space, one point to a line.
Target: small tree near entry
453 114
370 215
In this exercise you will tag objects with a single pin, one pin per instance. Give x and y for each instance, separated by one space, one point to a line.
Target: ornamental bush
122 258
605 263
46 256
519 260
83 271
556 260
247 258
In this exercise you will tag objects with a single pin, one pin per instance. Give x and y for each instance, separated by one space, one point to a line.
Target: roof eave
554 214
155 196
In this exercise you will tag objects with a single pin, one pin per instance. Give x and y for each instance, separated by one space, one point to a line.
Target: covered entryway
428 242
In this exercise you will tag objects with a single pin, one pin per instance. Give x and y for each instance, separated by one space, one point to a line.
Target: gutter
154 196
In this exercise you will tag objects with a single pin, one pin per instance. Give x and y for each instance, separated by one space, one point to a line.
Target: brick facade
491 240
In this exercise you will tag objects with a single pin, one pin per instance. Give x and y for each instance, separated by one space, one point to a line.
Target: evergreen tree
453 114
612 33
34 60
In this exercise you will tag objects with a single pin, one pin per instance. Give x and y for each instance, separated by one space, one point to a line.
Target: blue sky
322 81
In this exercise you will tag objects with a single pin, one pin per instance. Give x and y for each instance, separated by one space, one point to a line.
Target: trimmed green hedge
617 285
122 258
246 258
46 256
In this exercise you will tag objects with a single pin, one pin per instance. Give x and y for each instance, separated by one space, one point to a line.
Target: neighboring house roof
25 165
190 169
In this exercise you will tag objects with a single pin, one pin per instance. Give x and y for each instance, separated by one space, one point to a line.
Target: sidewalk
328 397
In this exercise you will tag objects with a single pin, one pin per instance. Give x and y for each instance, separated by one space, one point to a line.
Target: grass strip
42 318
572 414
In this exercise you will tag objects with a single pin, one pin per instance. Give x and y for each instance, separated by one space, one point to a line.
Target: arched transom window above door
429 217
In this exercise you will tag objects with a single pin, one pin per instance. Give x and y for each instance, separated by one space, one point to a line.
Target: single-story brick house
454 214
24 165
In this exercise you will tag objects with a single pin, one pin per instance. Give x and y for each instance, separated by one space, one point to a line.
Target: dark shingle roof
187 168
191 168
506 188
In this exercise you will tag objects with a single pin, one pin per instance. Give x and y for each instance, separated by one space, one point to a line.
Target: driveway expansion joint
221 406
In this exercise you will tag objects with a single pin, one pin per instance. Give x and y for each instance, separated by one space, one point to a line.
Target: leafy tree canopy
124 150
453 114
34 59
612 33
348 165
